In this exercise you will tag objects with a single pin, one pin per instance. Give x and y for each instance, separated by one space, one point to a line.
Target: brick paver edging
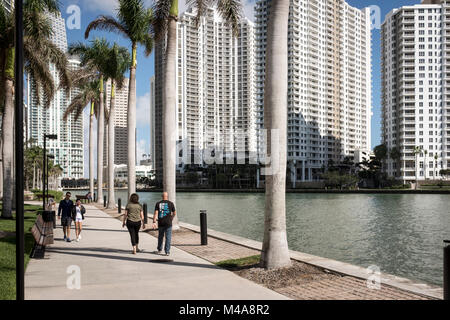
341 268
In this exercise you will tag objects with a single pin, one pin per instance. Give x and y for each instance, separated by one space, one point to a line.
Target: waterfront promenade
110 271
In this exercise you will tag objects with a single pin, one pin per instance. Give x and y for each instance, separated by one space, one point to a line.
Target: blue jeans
167 231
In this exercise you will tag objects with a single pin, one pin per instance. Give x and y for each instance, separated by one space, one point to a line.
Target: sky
90 9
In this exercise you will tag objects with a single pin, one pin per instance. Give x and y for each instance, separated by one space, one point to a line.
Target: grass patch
8 251
239 263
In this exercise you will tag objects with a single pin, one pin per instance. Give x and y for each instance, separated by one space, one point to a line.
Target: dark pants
164 231
133 228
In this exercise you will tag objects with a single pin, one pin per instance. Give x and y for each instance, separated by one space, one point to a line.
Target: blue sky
90 9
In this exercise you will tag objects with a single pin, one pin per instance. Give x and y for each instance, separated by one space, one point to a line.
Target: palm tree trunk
7 150
34 175
111 196
131 122
100 138
275 252
169 117
8 135
91 150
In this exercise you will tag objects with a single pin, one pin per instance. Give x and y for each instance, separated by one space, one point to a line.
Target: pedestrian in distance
134 220
65 214
164 212
78 212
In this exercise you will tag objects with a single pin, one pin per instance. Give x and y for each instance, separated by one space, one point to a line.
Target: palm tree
166 16
417 151
89 87
94 56
134 23
39 53
119 61
275 252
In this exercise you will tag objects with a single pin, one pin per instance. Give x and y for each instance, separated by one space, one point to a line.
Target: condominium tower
120 124
416 90
68 148
329 82
215 89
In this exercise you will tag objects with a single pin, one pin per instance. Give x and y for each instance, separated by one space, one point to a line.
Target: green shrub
57 195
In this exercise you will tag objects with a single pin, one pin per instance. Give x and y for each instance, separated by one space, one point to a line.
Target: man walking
65 214
164 211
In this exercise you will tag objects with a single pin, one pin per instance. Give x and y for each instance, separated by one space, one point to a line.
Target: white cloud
104 6
248 9
142 148
143 110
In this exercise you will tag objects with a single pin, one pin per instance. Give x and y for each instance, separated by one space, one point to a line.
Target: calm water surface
401 234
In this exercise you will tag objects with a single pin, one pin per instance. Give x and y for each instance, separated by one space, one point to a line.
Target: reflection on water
402 234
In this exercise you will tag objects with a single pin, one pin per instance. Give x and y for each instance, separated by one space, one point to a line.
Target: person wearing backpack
165 212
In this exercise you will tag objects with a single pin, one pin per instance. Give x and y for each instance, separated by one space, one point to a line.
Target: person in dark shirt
165 212
65 214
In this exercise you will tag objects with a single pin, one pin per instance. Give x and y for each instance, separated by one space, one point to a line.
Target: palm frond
42 5
106 23
231 12
201 6
161 11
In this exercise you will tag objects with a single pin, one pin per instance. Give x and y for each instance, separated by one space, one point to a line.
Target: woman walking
78 212
134 219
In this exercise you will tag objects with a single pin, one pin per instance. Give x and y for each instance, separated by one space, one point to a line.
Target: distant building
120 125
416 89
329 82
68 149
363 155
121 172
215 89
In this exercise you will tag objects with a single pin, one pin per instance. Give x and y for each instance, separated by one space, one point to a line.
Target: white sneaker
79 237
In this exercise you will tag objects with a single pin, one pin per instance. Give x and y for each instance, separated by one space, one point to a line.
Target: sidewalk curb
341 268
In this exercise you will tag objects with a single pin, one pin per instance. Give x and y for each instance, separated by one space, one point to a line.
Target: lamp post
18 91
50 156
44 171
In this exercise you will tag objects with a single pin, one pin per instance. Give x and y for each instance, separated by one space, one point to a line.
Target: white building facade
68 149
329 85
416 90
215 89
120 124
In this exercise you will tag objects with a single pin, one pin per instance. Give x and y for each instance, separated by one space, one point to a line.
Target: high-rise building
120 124
416 90
152 122
7 4
215 88
329 82
68 148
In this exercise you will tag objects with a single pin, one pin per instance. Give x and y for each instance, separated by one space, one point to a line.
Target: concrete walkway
108 270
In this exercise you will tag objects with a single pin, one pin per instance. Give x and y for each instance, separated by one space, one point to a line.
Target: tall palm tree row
134 23
94 56
165 26
275 252
39 53
119 61
89 96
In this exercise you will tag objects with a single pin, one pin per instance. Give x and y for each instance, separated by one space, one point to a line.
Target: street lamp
44 172
52 157
18 92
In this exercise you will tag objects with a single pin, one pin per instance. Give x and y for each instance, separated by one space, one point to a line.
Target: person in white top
78 212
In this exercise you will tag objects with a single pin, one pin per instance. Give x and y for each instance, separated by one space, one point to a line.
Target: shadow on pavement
183 264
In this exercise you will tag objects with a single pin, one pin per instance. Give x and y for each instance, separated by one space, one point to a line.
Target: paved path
109 271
